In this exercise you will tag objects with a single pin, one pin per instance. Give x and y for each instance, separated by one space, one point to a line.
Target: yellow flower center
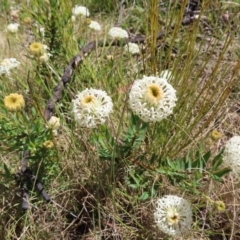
13 99
154 94
88 100
172 216
88 20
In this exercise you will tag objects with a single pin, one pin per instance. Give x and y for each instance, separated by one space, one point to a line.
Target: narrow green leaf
217 160
134 186
222 172
195 164
207 156
7 171
144 196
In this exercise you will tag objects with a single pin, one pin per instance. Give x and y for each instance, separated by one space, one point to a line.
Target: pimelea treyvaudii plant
139 147
95 26
118 33
231 156
13 27
8 64
16 132
173 215
14 102
36 49
133 48
80 11
152 98
92 107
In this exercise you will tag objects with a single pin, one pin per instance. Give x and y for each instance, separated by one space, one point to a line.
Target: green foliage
107 6
187 173
126 146
55 18
4 6
16 134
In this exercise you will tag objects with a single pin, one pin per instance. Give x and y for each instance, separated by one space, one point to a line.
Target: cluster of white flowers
80 10
95 26
13 27
46 54
152 98
231 156
173 215
7 64
133 48
117 32
91 107
54 124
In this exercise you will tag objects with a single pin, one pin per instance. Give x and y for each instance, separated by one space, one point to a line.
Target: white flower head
4 71
45 57
7 64
12 27
91 107
173 215
152 98
80 10
10 63
54 123
117 32
73 18
95 26
231 155
133 48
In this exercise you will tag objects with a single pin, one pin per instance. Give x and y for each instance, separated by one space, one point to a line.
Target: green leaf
207 156
7 171
144 196
134 186
195 164
161 171
217 161
222 172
